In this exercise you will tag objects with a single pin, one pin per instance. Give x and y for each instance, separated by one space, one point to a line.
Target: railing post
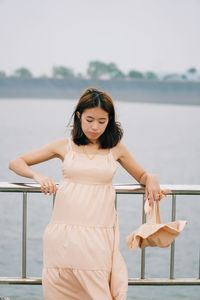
142 272
172 250
199 264
24 234
54 197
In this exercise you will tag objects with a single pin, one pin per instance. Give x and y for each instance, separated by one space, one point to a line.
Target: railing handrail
177 189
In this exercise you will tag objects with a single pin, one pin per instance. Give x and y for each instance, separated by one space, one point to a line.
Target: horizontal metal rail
173 190
131 281
120 188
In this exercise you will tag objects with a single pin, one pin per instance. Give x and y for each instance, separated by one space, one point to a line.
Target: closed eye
100 122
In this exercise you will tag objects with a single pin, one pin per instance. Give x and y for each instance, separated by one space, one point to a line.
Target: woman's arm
127 161
21 165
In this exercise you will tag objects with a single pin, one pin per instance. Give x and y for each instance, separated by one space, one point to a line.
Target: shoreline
140 91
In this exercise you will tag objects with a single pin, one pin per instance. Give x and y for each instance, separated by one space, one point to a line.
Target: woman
81 242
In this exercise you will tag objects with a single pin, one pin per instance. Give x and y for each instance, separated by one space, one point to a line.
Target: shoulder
58 147
61 146
119 151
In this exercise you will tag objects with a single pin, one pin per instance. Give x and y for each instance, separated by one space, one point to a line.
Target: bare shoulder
58 147
119 151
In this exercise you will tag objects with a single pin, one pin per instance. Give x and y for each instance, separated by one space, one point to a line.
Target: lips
93 133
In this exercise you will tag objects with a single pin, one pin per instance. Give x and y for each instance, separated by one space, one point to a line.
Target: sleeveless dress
81 257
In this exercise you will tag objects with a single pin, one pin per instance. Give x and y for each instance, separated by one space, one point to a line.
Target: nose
95 126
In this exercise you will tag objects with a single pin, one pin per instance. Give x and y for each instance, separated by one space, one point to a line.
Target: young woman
81 242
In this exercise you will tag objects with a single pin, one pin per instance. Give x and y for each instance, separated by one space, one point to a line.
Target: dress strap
110 154
70 143
70 148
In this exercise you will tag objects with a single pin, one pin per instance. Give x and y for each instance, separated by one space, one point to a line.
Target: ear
78 114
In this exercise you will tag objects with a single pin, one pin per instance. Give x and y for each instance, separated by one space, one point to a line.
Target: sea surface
164 139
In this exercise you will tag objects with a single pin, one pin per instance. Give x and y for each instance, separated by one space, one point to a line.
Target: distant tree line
101 70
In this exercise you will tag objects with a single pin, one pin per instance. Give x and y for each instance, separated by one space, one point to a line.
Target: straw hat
153 233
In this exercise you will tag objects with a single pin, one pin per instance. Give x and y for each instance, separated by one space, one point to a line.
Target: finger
162 196
53 187
165 192
45 189
46 185
146 197
150 198
158 196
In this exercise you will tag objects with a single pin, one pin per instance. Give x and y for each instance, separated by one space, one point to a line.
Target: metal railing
26 188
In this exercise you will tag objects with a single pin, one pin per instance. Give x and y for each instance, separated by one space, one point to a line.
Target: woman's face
94 122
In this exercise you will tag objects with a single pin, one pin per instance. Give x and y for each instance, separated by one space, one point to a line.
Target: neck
94 142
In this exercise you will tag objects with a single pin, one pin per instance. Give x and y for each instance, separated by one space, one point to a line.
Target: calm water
165 139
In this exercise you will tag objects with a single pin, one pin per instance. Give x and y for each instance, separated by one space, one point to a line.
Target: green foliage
171 76
150 75
114 71
100 70
62 72
192 70
23 73
96 69
135 74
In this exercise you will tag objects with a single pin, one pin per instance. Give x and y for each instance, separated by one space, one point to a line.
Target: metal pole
199 263
172 250
24 234
142 272
116 201
54 196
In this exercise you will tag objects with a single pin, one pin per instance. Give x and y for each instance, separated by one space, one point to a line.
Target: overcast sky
159 35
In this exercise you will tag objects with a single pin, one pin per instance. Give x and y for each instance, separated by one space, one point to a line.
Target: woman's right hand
48 186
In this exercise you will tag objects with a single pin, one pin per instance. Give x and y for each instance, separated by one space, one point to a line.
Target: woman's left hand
153 191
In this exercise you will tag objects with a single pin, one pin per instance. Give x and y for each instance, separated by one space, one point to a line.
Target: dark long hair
94 98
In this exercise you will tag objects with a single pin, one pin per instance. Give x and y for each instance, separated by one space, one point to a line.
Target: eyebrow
98 119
